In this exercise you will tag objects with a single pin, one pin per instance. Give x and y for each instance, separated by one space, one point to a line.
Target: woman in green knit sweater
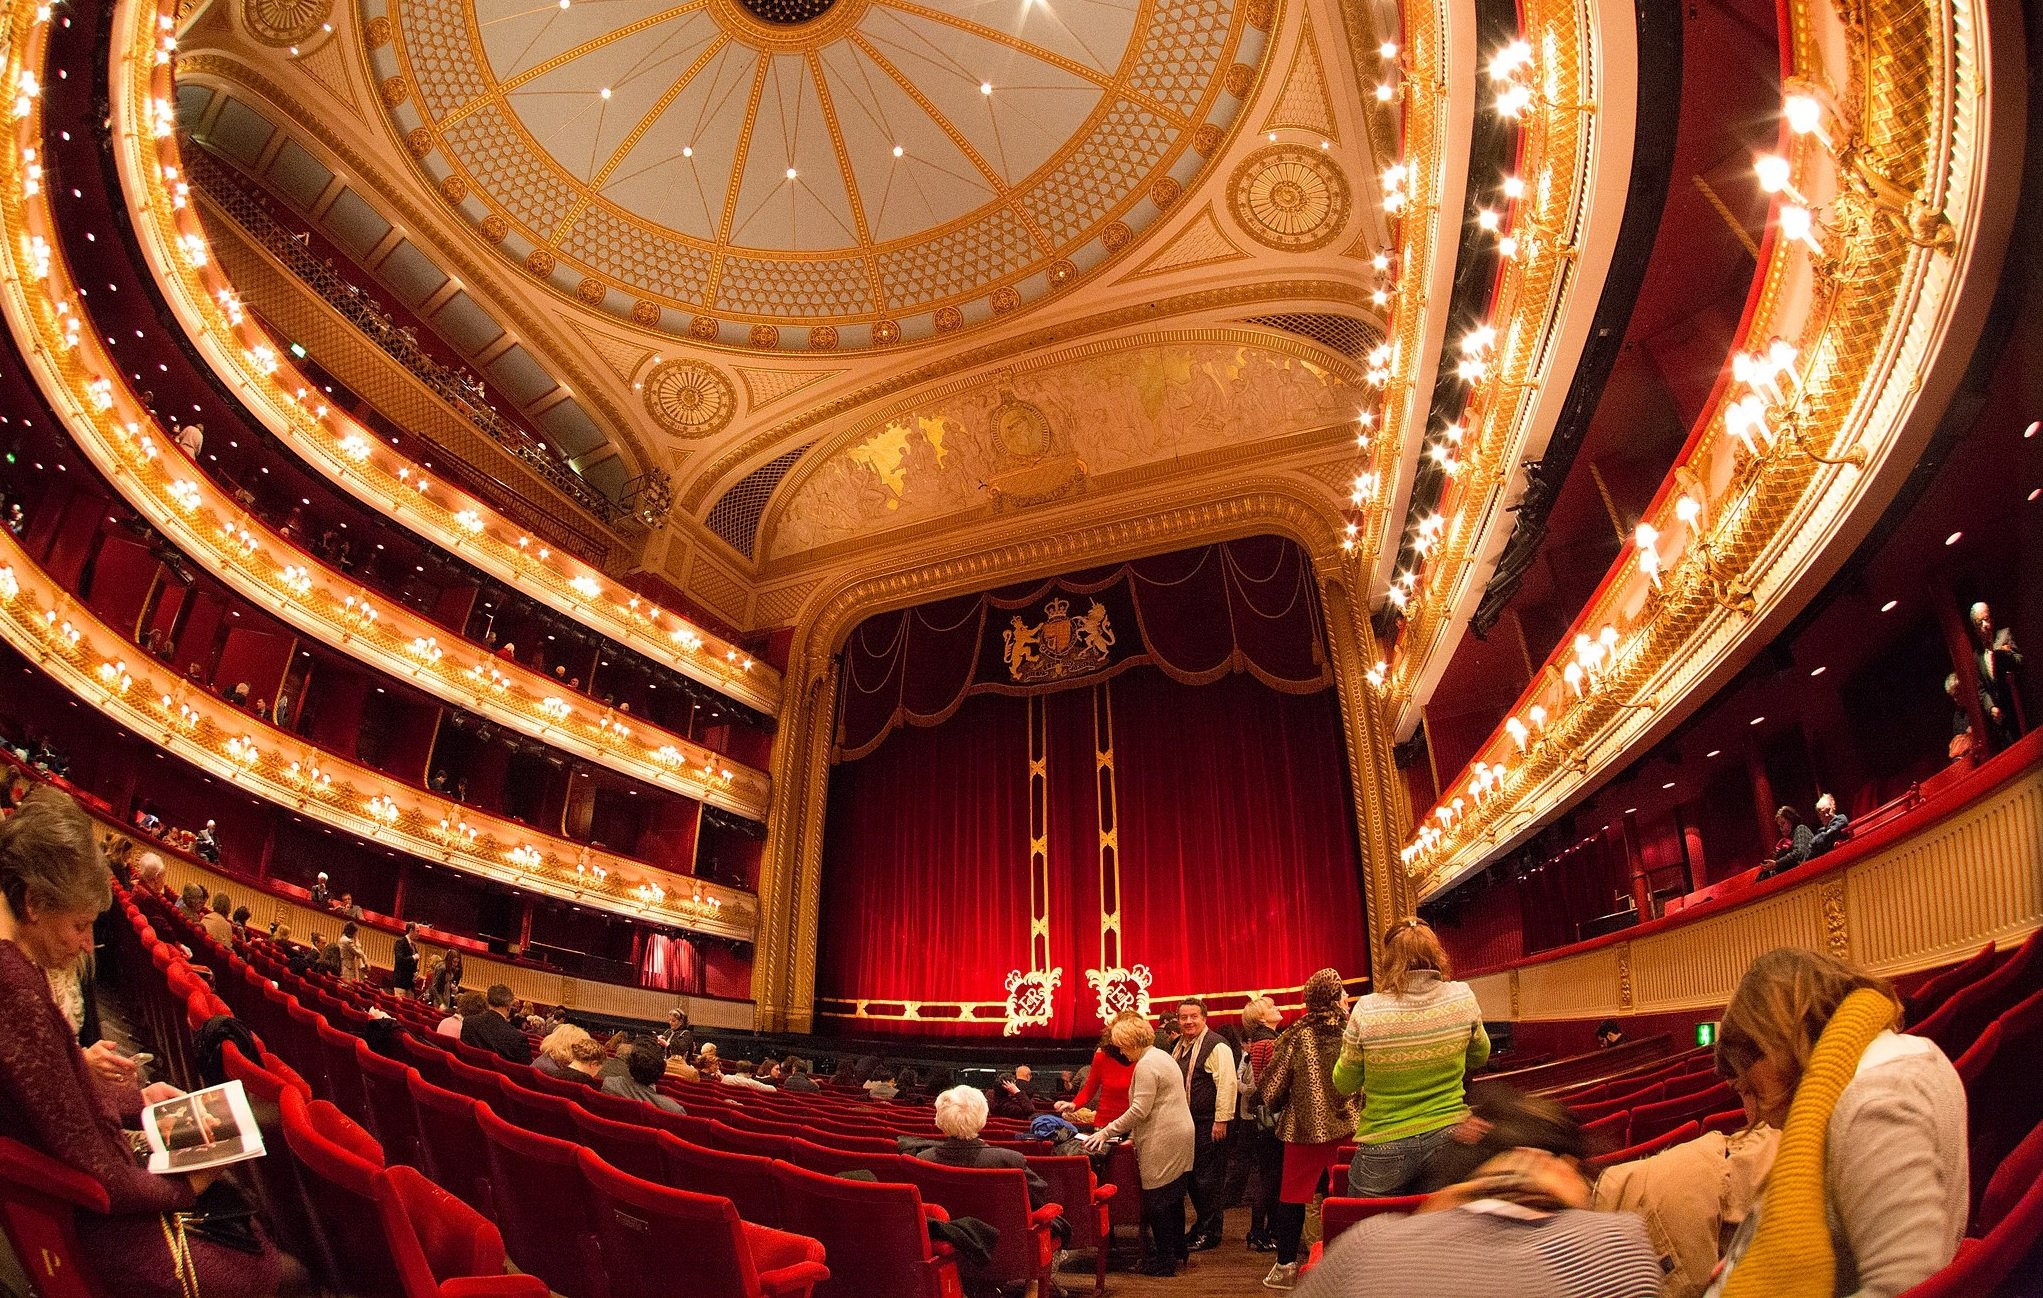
1408 1047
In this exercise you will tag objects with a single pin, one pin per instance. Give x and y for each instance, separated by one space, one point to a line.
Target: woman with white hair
1159 1121
961 1116
571 1054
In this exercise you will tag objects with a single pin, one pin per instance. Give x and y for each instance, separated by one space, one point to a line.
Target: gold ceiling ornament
690 399
1290 198
495 228
765 335
644 312
703 327
948 318
453 188
823 338
1005 299
590 290
284 22
540 262
901 192
886 331
395 91
376 33
1262 14
419 140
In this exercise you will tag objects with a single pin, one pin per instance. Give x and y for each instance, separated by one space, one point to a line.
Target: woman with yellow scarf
1869 1190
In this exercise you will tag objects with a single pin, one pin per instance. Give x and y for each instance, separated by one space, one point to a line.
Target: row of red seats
458 1136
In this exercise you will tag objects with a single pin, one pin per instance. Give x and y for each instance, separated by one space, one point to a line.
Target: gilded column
790 876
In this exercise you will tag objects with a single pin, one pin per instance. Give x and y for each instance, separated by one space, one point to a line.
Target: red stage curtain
671 964
1241 606
1239 867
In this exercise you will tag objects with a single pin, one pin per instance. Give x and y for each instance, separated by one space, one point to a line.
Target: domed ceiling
813 175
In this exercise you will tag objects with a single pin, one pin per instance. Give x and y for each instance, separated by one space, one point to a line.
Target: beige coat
1693 1198
1158 1120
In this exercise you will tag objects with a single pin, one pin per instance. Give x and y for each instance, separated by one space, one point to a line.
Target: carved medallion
703 327
590 290
395 91
765 335
645 313
420 141
690 399
453 189
1290 198
495 227
1241 78
886 331
948 318
1116 236
1005 299
823 338
287 22
1207 139
1165 192
540 262
377 33
1261 14
1062 272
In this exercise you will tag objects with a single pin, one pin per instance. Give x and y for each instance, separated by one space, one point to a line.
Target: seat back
629 1147
450 1144
391 1115
1647 1148
998 1196
875 1235
547 1223
549 1115
343 1068
38 1199
1959 1021
355 1254
1650 1120
745 1179
751 1142
1073 1184
832 1161
275 1176
644 1226
1929 997
1336 1215
2004 1102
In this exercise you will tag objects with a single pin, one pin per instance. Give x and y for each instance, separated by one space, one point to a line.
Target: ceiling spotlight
1818 671
687 151
1387 50
1755 721
1384 94
985 87
605 92
2032 429
1272 137
1668 785
1514 187
1888 607
898 150
1714 752
790 173
1953 538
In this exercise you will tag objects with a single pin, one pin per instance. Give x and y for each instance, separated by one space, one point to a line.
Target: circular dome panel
866 171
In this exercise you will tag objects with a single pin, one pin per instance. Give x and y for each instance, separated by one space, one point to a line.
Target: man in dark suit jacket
404 961
491 1030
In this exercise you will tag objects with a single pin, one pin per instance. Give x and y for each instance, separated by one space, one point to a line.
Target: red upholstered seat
1960 1020
1337 1214
549 1115
1647 1148
275 1176
875 1235
1932 994
392 1116
371 1244
1608 1130
38 1198
630 1147
1087 1206
2004 1099
1650 1120
745 1179
451 1145
1728 1121
343 1071
644 1226
831 1161
744 1141
548 1222
998 1196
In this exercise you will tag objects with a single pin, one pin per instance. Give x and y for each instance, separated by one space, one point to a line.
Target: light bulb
1773 171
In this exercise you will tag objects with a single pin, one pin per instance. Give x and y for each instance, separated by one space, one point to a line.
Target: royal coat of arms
1059 646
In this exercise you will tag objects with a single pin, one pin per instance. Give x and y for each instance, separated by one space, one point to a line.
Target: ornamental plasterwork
886 171
1104 410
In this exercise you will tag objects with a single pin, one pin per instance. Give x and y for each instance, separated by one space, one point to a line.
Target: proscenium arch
790 884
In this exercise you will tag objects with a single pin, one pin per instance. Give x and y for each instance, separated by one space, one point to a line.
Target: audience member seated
149 876
206 845
1869 1190
320 897
961 1115
194 903
1158 1121
644 1062
1105 1087
218 921
491 1030
560 1056
1519 1223
348 908
681 1069
1409 1048
70 1102
470 1005
1608 1034
740 1075
1692 1197
709 1064
1832 826
796 1075
1010 1100
1796 842
326 956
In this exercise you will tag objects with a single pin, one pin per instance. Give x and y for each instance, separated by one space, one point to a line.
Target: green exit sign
1706 1034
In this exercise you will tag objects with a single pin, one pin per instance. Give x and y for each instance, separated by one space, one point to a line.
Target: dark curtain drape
671 964
1196 615
1239 867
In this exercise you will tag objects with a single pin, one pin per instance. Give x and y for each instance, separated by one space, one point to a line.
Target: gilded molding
1866 356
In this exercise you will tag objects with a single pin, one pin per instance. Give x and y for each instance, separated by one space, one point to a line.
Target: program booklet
201 1129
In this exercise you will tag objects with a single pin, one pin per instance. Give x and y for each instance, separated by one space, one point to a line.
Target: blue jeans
1391 1167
